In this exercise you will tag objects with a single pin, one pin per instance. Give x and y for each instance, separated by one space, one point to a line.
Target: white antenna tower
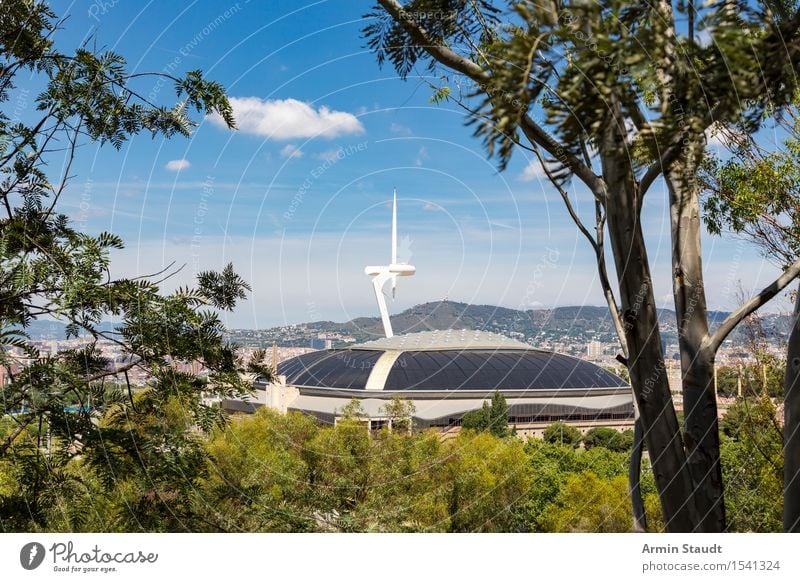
380 275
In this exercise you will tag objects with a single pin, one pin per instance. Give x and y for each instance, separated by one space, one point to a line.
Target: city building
594 350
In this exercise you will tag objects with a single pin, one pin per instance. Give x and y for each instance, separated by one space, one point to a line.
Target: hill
565 325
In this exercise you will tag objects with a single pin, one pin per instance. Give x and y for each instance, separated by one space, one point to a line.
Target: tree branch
714 341
13 436
456 62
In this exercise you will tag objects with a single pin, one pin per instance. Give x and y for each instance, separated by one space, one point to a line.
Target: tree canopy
67 425
618 94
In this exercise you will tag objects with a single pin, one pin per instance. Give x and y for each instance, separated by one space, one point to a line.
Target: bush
561 433
601 436
609 438
587 503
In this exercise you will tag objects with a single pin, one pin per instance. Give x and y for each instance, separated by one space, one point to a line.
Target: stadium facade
446 374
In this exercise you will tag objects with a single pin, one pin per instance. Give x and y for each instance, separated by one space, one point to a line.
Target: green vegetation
73 451
752 463
752 377
269 472
619 95
609 438
563 434
275 473
491 418
78 455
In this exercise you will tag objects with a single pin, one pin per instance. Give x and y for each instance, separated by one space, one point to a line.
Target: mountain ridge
558 324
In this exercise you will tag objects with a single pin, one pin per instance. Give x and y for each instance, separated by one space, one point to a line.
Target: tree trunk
701 430
640 319
635 465
791 427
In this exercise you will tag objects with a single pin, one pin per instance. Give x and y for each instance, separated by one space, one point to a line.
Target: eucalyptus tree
755 193
617 95
53 270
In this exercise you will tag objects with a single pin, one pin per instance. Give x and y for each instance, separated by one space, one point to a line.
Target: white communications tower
380 275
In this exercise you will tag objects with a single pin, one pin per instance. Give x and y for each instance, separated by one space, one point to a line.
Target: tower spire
381 274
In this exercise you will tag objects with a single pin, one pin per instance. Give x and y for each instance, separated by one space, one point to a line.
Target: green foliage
608 438
76 454
283 473
626 87
752 462
752 378
563 434
490 417
487 477
756 193
748 416
400 413
571 60
547 504
587 503
477 420
353 410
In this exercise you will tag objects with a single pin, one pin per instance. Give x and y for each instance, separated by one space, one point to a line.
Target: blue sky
298 198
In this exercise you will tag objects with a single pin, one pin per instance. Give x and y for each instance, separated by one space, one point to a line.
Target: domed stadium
446 374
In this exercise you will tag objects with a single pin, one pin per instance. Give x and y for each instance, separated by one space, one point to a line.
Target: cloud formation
422 156
282 119
329 155
177 165
533 171
291 151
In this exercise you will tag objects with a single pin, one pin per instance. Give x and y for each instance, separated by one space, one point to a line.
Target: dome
445 361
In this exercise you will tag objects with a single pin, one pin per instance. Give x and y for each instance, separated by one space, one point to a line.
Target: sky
299 197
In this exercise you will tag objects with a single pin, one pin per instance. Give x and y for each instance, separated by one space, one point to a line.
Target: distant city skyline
298 199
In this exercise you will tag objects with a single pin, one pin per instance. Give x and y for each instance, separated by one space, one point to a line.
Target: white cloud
291 151
177 165
330 155
533 171
422 155
289 119
399 129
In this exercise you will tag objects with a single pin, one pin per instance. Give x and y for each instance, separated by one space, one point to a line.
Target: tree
491 418
590 504
258 478
756 194
400 413
609 438
353 411
66 422
563 434
477 420
487 477
612 94
752 453
749 378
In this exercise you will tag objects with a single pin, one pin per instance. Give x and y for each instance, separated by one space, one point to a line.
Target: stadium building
446 374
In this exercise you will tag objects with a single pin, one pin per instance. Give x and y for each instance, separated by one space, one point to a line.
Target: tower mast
381 274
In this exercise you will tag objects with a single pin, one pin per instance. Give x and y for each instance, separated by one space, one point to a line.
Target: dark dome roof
427 367
330 368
